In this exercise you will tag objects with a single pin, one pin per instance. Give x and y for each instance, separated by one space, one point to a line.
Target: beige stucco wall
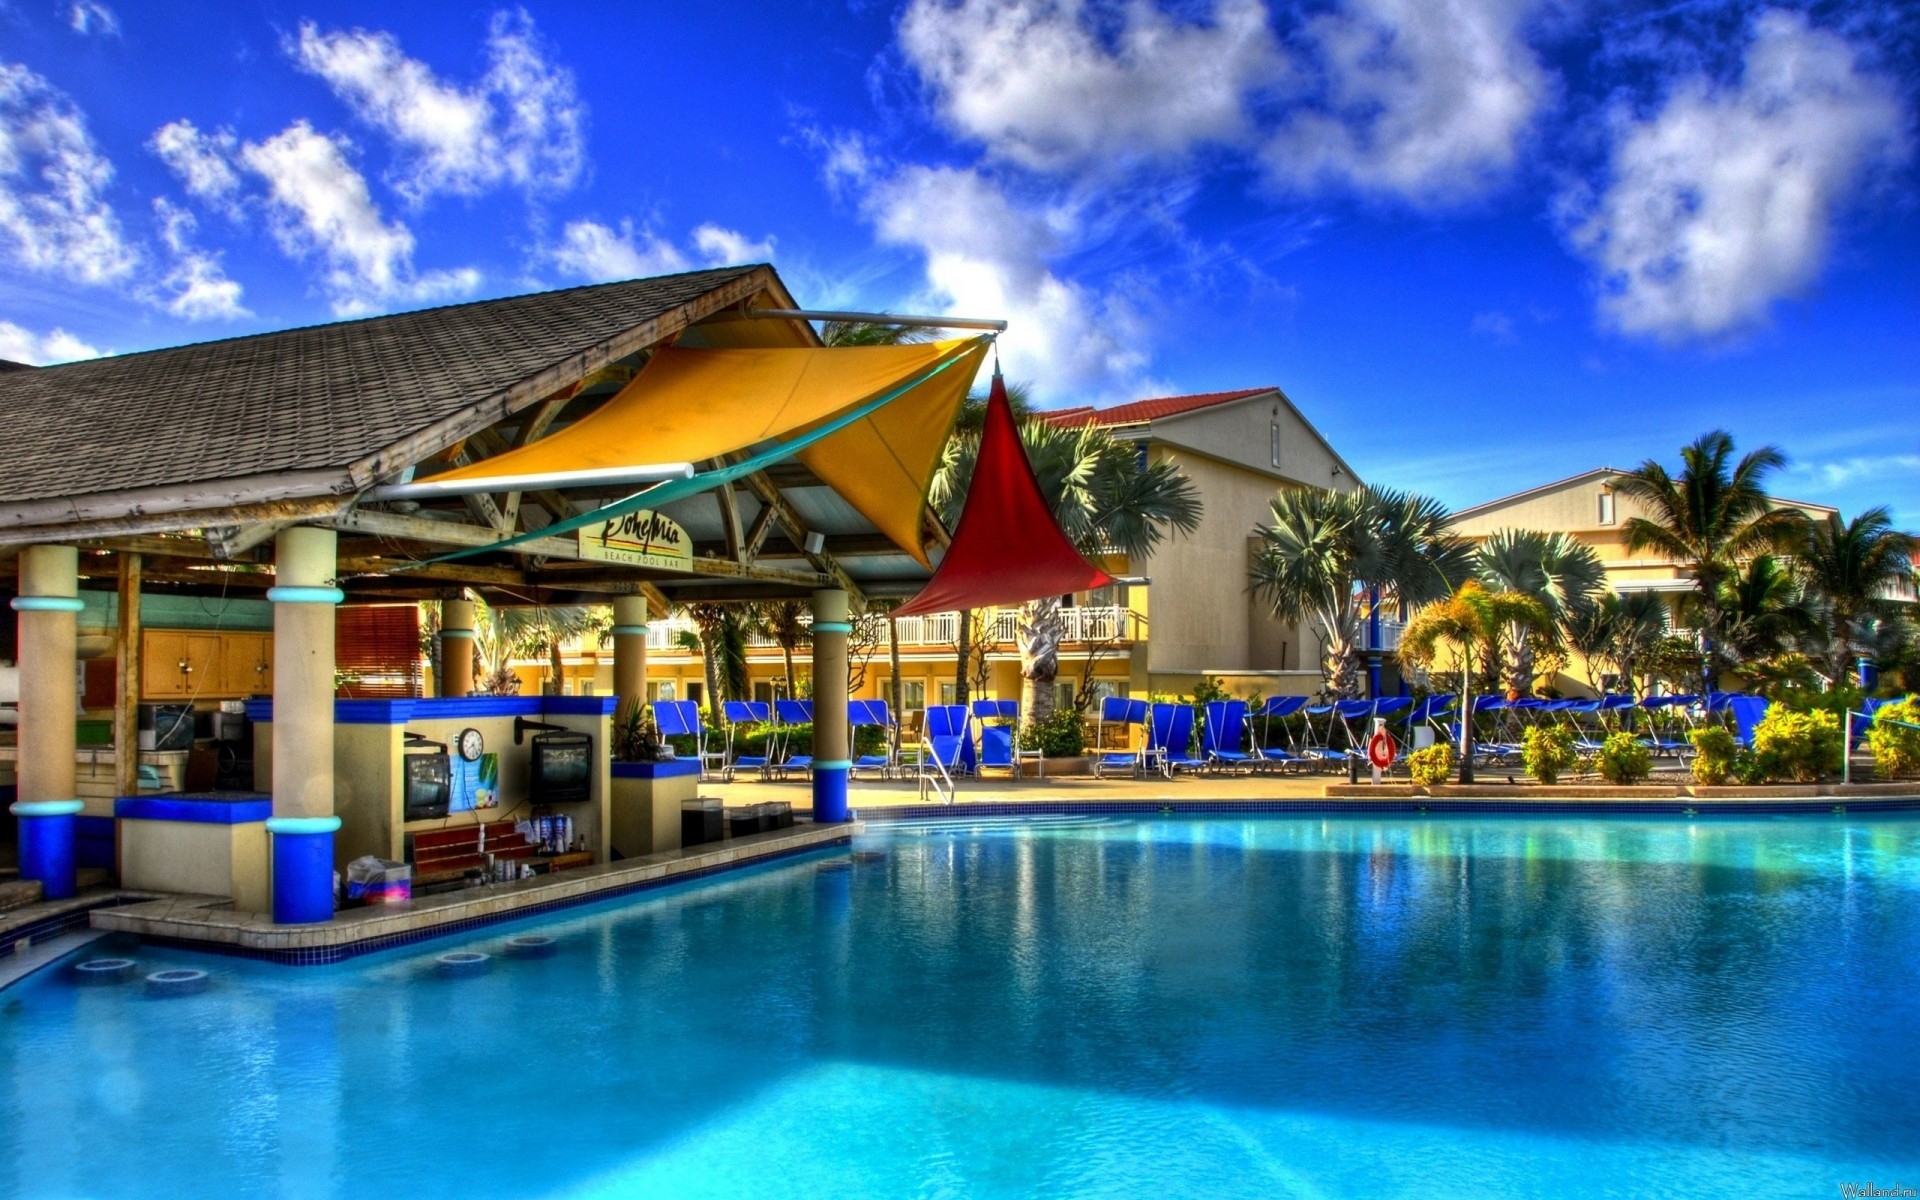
198 858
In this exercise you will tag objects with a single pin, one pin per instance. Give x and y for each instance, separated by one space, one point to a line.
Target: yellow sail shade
690 405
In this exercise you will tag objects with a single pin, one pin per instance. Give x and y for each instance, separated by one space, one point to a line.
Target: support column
456 648
126 678
832 758
49 704
629 653
303 823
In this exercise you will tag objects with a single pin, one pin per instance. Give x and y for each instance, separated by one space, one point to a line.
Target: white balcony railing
1390 632
1093 624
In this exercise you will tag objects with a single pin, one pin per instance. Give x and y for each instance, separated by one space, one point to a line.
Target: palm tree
787 622
1564 575
1473 620
1851 569
1326 552
873 333
1105 503
1620 630
528 632
723 653
1765 610
1712 517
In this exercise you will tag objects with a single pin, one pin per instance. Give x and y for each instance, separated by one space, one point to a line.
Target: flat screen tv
427 785
562 769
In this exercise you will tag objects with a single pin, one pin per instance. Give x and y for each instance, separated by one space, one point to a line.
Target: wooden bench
440 855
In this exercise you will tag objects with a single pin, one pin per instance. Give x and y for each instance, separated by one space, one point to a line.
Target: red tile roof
1139 411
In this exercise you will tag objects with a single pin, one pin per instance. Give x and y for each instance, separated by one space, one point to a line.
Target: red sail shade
1008 548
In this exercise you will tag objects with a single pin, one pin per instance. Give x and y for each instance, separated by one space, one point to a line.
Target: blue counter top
656 770
206 808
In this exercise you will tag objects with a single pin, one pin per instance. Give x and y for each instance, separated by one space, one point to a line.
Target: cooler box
702 821
379 881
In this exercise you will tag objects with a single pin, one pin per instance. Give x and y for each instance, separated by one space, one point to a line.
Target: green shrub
1896 749
798 739
1624 760
1548 751
1058 736
1716 756
1796 747
1432 765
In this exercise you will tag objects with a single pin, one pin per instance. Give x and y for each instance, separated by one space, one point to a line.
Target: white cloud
196 289
53 216
24 346
203 161
90 16
1039 84
522 123
321 207
1495 326
1723 202
1838 473
597 253
724 247
985 256
1427 102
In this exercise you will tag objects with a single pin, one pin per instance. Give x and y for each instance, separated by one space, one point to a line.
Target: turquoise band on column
305 595
832 627
833 764
46 808
457 633
629 631
48 604
299 825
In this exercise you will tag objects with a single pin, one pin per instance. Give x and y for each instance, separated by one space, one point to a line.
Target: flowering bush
1896 748
1432 765
1548 751
1624 760
1796 747
1716 756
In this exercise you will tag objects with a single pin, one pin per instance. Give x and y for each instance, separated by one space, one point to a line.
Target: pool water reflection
1227 1007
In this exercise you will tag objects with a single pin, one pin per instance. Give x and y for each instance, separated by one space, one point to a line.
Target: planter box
1759 791
1367 791
1910 787
1556 791
1079 764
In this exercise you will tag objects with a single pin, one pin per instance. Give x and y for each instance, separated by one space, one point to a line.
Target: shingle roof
1137 411
325 396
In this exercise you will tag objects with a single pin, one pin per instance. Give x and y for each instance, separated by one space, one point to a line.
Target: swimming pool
1223 1007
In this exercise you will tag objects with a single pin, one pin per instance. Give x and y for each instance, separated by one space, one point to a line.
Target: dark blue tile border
316 956
66 922
1679 806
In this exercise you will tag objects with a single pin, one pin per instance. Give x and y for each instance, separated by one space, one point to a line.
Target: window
766 691
913 694
1063 697
948 693
1276 443
1102 688
660 689
1606 506
697 692
1104 597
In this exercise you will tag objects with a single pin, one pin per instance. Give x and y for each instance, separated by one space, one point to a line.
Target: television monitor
427 785
562 769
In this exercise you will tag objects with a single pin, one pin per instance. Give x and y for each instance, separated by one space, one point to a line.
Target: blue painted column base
830 793
48 845
302 869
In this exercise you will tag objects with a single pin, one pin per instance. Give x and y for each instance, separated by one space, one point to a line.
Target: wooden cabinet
182 664
246 663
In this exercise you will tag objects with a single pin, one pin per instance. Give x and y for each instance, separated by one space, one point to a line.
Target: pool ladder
932 774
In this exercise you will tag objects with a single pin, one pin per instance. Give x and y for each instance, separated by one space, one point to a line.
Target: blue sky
1482 244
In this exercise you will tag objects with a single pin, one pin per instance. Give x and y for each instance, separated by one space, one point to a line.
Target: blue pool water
1257 1007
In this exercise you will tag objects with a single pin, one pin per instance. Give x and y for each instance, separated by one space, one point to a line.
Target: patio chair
998 747
1222 734
873 714
681 718
791 713
948 738
1126 713
739 714
1265 753
1170 738
1747 713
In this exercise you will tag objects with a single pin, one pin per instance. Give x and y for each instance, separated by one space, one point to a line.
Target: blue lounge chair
1747 713
997 746
1265 753
739 715
791 713
1223 733
875 714
1126 713
681 718
949 738
1170 738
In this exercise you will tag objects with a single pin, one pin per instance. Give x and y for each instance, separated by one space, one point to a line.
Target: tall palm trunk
962 688
1042 629
710 652
786 652
556 666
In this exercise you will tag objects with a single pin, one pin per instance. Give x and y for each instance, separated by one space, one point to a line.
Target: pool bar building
646 443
